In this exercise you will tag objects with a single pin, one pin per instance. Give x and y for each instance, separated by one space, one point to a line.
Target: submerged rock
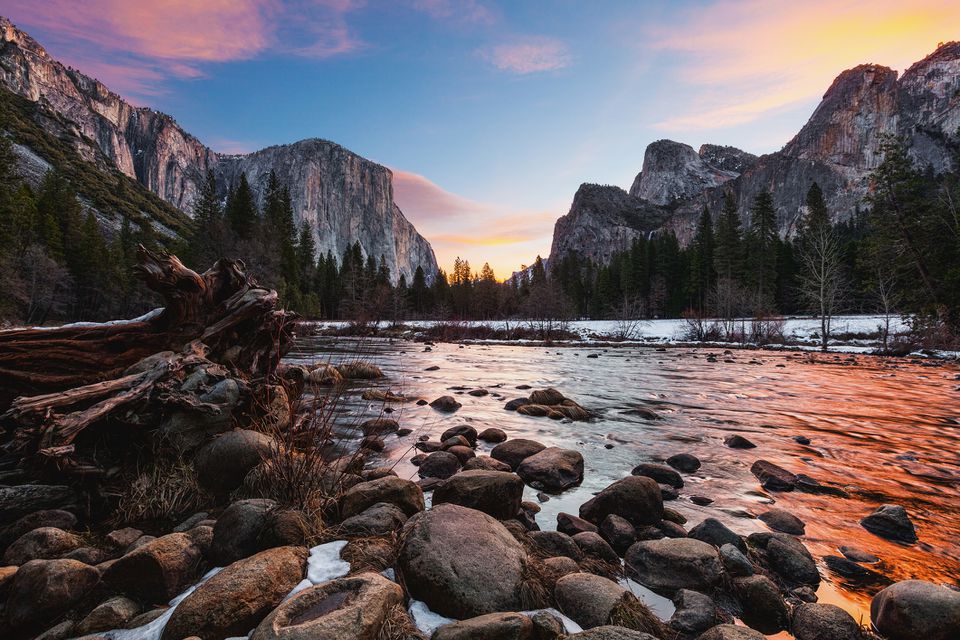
773 477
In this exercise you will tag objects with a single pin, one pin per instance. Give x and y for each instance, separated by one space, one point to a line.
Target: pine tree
419 291
206 242
701 261
816 216
241 210
762 248
727 253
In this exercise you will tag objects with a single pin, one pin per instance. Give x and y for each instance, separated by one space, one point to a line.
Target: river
886 430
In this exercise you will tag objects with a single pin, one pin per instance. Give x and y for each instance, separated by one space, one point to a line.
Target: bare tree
821 279
888 300
629 318
729 301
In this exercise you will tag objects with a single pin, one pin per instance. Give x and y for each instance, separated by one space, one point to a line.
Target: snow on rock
324 563
425 619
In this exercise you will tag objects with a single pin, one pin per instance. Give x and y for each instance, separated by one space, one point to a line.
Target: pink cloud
476 231
534 54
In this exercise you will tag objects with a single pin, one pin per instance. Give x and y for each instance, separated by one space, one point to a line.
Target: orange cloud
533 54
753 57
475 231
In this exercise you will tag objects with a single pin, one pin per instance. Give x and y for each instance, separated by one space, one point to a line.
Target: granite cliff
345 196
838 147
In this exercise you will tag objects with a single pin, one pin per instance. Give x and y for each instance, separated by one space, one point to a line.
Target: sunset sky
489 113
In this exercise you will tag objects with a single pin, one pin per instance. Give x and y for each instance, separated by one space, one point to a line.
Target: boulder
714 532
237 598
360 370
559 566
763 607
379 426
122 538
634 498
350 608
223 463
446 404
695 612
463 430
485 463
552 469
916 609
158 570
402 493
773 477
513 452
788 558
685 462
659 472
731 632
493 626
824 622
618 532
110 614
783 521
516 403
735 561
464 454
454 441
42 590
241 530
588 599
591 544
572 525
852 571
493 435
380 519
325 375
461 562
439 464
493 492
891 521
21 500
554 543
671 564
549 396
41 544
44 518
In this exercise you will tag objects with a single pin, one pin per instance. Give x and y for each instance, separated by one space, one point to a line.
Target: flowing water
886 430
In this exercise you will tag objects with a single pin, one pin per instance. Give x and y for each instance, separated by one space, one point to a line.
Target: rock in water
552 469
350 608
685 462
824 622
738 442
671 564
714 532
783 521
461 562
763 607
439 464
237 598
494 492
773 477
635 498
914 609
446 404
659 472
891 522
513 452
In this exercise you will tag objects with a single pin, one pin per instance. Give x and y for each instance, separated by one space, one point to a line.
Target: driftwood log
56 382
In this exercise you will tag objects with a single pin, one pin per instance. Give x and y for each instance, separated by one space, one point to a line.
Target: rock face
461 562
344 197
837 148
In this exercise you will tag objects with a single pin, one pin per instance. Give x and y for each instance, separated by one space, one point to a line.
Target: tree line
900 254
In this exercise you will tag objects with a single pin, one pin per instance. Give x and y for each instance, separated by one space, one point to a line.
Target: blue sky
491 114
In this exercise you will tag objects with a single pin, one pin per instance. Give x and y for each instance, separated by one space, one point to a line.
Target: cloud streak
476 231
746 59
533 54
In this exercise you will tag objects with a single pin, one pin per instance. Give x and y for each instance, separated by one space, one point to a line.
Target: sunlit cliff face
884 431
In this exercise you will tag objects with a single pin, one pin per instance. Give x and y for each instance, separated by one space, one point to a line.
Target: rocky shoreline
457 554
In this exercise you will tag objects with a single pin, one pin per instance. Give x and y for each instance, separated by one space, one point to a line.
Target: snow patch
425 619
324 563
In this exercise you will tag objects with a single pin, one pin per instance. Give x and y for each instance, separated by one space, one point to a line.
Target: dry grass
633 614
166 489
399 626
536 584
375 553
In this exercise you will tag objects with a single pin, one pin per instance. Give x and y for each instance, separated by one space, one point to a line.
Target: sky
489 113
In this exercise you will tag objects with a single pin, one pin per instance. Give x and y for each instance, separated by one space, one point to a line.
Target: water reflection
885 430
